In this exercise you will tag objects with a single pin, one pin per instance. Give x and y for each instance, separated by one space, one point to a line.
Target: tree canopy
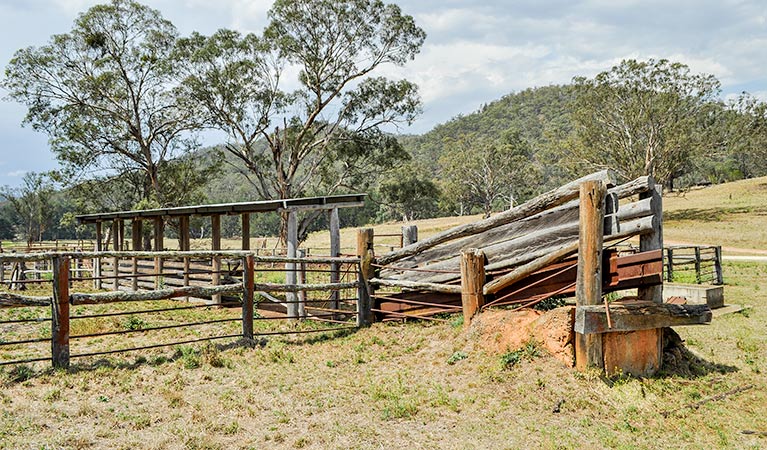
644 118
103 93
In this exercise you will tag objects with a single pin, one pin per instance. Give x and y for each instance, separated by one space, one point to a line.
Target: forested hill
540 115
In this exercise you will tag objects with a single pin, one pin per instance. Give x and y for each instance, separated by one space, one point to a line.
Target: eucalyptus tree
644 118
318 131
32 204
104 95
485 172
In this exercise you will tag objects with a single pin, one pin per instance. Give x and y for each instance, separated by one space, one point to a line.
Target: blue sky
475 52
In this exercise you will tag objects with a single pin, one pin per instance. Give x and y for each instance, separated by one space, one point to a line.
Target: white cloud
16 173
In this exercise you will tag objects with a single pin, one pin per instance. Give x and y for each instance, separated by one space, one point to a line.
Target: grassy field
415 385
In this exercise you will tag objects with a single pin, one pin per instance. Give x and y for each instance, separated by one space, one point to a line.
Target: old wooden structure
559 243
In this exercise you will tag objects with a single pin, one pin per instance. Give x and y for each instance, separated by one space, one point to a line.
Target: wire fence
247 298
693 265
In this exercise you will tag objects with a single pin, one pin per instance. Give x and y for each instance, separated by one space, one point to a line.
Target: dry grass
393 385
731 215
413 385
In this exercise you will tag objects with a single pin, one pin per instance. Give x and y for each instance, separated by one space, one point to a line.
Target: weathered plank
638 315
432 287
9 300
543 202
529 268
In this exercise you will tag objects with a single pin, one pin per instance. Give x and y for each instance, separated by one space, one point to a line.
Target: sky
475 52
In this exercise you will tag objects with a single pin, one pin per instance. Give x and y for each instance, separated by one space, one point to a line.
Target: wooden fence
247 277
693 264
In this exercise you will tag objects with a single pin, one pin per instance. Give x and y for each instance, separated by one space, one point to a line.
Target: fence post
697 265
472 282
290 268
653 241
248 288
215 226
409 235
366 254
670 265
588 288
97 261
718 265
335 252
301 279
60 313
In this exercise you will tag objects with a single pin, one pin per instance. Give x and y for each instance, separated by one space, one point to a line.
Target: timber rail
335 304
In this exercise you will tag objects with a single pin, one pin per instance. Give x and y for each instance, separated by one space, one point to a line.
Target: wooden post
718 265
246 231
136 232
215 221
335 251
159 232
60 313
697 265
670 265
365 301
248 281
97 261
653 241
290 268
409 235
183 223
115 261
301 279
588 289
472 282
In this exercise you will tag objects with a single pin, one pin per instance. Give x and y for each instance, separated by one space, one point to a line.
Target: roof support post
290 268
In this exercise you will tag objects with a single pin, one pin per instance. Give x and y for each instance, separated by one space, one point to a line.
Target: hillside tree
486 173
32 207
317 133
644 118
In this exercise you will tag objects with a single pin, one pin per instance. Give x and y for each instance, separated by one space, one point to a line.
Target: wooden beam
472 281
409 235
60 313
245 220
248 288
97 261
638 315
543 202
366 255
431 287
653 241
136 235
529 268
290 268
159 233
588 288
335 251
215 225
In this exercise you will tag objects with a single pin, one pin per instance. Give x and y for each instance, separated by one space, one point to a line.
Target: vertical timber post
718 265
248 288
245 221
184 244
335 252
136 233
215 222
670 265
654 240
159 232
588 288
366 254
409 235
97 261
60 313
697 265
290 267
301 279
115 260
472 282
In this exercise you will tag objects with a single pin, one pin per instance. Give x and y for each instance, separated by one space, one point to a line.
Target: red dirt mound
500 331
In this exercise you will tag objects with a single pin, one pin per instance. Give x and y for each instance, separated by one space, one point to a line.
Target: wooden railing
238 289
700 264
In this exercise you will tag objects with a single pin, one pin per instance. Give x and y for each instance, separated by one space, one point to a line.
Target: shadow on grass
190 356
679 361
710 214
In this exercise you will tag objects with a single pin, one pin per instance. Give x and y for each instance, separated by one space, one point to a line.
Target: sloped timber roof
309 203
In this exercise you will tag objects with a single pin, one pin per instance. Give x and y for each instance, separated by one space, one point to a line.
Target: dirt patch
497 332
